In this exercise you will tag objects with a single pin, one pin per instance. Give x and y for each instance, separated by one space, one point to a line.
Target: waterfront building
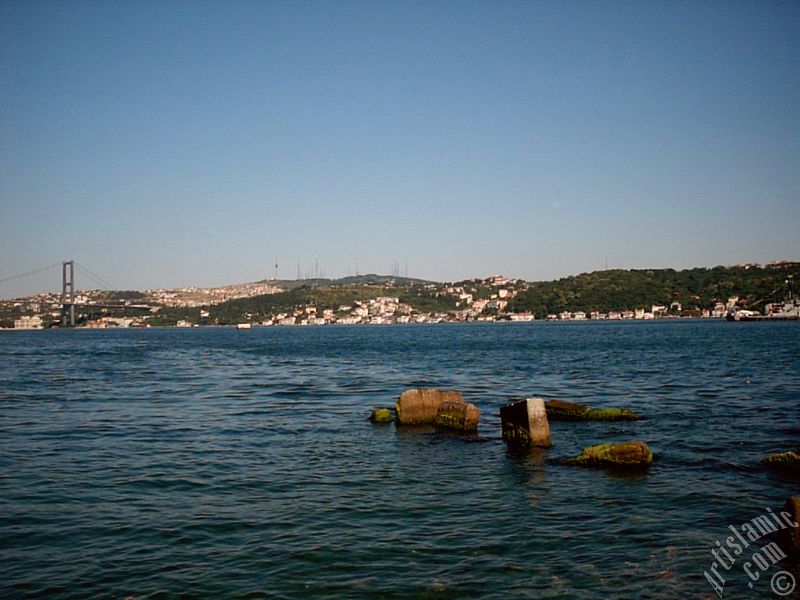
28 322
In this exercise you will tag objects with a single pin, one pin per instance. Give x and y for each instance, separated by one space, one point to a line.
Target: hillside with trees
422 298
690 292
693 289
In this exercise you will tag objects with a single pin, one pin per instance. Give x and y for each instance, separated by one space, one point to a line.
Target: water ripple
216 463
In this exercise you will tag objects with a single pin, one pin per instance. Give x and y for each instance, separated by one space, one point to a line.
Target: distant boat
788 310
784 311
744 315
243 325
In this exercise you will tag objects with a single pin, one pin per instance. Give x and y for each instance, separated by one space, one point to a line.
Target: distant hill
328 295
694 289
685 292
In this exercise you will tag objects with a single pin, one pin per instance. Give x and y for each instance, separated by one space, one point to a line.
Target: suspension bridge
70 306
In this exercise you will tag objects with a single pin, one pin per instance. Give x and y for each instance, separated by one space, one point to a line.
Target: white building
26 322
523 316
658 309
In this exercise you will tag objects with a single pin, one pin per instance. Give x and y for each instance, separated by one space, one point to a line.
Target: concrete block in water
525 423
457 414
442 408
420 406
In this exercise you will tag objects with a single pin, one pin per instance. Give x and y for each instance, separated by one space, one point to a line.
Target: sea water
215 463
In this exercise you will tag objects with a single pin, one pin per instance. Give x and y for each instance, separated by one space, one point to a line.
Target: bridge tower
68 293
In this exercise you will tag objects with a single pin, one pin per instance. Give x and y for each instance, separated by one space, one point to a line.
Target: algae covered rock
623 455
561 410
611 414
784 461
457 414
525 423
382 415
441 408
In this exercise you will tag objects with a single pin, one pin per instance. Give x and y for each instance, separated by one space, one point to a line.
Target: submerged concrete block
459 415
525 423
442 408
420 406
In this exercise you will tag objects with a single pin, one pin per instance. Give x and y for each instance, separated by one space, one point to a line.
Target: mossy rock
561 410
448 421
454 422
382 415
784 461
458 416
611 414
624 455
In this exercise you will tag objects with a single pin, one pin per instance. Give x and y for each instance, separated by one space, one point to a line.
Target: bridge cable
96 278
21 275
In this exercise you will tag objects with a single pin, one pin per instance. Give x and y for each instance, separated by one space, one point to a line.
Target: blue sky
177 143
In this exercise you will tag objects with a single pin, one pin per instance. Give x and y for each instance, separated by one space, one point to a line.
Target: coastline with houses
384 300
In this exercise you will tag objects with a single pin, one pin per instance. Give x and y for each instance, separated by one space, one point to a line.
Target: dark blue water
216 463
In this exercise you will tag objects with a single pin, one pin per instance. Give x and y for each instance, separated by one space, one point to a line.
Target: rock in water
460 415
442 408
627 455
611 414
561 410
381 415
784 461
525 423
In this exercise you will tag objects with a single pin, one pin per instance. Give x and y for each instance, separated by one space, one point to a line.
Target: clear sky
177 143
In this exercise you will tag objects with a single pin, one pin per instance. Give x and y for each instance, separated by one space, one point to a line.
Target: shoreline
501 323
